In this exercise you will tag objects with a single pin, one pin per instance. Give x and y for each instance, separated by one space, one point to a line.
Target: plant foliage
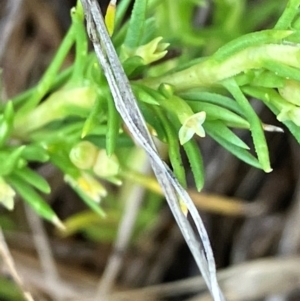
190 81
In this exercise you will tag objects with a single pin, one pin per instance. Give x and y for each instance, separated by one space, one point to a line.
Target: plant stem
210 72
45 83
288 15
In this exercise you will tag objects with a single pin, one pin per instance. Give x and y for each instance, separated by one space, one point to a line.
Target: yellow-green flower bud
84 154
106 166
110 17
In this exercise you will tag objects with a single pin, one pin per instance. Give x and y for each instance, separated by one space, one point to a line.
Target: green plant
71 120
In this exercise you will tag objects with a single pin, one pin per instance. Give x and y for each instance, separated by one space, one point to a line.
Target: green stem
121 12
211 72
288 15
59 80
81 43
113 125
47 80
60 104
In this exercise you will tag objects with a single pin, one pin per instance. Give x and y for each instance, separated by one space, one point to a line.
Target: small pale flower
7 195
151 52
191 122
192 125
88 185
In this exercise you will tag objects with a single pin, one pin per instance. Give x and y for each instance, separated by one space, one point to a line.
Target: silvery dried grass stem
8 260
127 106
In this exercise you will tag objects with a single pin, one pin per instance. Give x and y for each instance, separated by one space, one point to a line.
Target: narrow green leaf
121 11
34 200
35 152
9 112
63 162
196 162
81 43
113 126
214 112
93 119
6 122
194 156
10 160
132 65
173 147
240 153
213 98
288 15
100 141
268 79
256 128
219 128
136 24
250 39
282 70
143 95
33 178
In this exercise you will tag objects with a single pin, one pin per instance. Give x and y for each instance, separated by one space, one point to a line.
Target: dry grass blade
252 280
258 279
126 104
7 258
73 284
42 246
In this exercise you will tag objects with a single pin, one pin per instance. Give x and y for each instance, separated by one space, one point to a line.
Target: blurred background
253 218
